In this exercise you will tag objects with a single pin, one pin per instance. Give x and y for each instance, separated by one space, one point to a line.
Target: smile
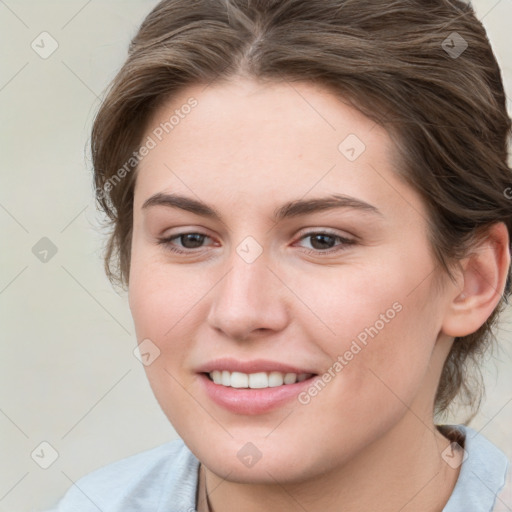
259 380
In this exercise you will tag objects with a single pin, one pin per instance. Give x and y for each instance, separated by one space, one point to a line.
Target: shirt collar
482 474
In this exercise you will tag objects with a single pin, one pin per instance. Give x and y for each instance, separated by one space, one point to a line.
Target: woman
309 211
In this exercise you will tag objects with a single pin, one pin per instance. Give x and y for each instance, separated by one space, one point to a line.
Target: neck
403 470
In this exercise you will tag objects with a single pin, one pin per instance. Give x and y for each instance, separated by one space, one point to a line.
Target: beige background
68 374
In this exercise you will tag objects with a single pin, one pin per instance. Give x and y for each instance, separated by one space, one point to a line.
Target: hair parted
445 112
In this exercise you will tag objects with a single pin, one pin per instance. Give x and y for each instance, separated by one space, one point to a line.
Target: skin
367 441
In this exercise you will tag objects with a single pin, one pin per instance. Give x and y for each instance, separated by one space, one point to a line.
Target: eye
323 242
189 242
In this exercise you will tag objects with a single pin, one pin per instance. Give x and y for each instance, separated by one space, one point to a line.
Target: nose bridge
247 298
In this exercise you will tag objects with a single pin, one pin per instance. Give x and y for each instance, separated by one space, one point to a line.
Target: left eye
322 242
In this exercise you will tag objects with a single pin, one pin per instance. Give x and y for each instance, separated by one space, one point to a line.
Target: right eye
189 241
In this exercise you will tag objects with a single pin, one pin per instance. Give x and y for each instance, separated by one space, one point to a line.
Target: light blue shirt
165 478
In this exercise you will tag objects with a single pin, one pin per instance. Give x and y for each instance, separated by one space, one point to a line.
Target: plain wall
68 373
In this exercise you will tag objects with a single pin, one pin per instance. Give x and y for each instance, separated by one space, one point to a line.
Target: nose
249 301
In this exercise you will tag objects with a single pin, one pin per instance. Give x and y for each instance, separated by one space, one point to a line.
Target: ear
484 275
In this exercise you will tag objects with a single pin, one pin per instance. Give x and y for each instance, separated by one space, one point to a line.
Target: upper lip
253 366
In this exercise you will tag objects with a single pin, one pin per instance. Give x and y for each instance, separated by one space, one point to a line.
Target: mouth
258 392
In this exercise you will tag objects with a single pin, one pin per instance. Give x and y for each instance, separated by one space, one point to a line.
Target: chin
261 462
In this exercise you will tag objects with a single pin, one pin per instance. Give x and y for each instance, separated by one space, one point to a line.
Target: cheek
169 306
385 333
161 295
161 304
382 313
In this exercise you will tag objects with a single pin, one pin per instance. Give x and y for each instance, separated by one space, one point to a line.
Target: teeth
290 378
258 380
239 380
275 379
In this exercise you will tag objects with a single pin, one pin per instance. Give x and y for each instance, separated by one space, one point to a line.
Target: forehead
252 115
264 141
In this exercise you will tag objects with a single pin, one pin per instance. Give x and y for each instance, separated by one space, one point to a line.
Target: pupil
323 244
195 238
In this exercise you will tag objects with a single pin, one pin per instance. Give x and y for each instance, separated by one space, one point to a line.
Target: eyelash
345 242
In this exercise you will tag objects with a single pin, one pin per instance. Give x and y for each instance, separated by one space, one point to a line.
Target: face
275 247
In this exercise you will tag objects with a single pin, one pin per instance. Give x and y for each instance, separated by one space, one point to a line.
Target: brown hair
423 69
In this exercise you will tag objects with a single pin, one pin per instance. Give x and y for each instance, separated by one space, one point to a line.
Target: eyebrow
288 210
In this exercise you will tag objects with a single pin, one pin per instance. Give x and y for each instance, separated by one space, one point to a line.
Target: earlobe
484 277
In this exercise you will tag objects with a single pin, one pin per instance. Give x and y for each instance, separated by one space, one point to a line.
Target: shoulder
504 499
162 478
482 476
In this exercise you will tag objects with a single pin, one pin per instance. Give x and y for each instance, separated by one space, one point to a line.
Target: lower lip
249 401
